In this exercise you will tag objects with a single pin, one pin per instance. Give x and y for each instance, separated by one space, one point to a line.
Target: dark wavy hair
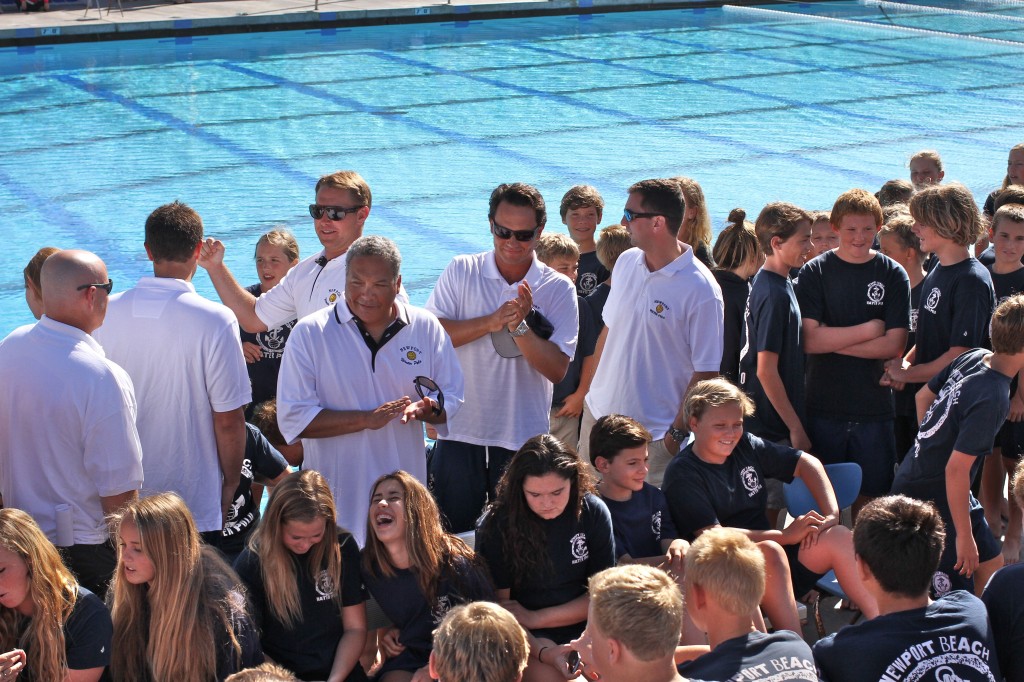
523 537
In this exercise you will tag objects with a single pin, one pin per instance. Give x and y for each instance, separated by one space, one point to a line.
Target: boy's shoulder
781 655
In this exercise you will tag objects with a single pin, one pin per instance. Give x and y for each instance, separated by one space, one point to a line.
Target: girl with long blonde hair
51 628
416 572
696 227
179 612
303 576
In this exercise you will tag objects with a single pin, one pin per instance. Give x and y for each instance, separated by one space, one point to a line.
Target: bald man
69 450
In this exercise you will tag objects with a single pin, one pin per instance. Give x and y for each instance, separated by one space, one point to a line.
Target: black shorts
947 578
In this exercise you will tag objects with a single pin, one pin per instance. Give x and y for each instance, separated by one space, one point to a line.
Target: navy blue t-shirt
1004 599
950 639
263 459
585 343
731 494
263 373
406 606
782 655
956 306
904 400
306 648
577 549
596 301
735 291
589 273
641 523
971 404
774 325
87 633
837 293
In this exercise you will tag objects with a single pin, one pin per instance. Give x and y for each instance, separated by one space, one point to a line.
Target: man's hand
212 253
522 305
966 555
803 530
501 317
252 352
572 406
421 409
382 416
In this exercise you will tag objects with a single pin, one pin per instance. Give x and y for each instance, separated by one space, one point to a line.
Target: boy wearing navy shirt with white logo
644 532
898 541
855 304
966 404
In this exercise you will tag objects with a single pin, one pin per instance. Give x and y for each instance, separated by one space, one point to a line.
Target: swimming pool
756 106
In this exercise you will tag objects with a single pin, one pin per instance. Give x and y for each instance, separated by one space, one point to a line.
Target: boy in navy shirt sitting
961 410
898 541
644 532
725 581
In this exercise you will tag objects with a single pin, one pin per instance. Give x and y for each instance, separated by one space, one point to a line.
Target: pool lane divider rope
779 14
903 8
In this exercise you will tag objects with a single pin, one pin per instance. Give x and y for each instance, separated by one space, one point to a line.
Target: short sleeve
444 299
600 537
706 331
777 461
247 566
973 305
936 382
490 548
689 501
87 633
277 306
979 422
769 318
587 340
668 526
297 401
227 380
352 592
266 460
809 294
897 300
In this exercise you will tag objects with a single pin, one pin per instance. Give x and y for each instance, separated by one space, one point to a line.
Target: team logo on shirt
932 302
913 320
659 309
578 545
332 296
751 481
876 293
588 282
271 342
441 607
411 355
324 586
656 525
941 583
949 395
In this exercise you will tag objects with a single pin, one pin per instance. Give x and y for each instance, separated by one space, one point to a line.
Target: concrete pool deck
71 21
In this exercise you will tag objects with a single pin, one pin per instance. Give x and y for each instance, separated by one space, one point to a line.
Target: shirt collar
71 332
533 275
169 283
684 260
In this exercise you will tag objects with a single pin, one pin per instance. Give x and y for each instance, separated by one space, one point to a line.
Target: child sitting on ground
560 253
961 411
898 541
725 580
581 210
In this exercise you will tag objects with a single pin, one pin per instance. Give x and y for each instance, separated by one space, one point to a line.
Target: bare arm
352 642
466 331
229 432
112 504
328 423
920 374
771 382
241 302
882 348
574 611
812 473
544 356
958 496
819 338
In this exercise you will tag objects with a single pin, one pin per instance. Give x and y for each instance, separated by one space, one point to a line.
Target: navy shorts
872 445
1011 440
463 477
947 578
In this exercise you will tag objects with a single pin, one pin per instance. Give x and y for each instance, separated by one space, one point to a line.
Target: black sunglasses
332 212
107 286
502 232
630 216
573 661
428 388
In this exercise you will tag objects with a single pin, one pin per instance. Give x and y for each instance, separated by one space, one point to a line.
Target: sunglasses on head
502 232
332 212
107 286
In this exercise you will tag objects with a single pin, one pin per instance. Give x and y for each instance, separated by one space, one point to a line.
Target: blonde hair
302 496
950 211
1012 212
714 393
264 672
697 230
900 227
53 591
480 642
612 242
350 181
855 202
727 565
1008 326
1014 148
35 266
737 244
928 155
282 239
640 606
552 246
170 628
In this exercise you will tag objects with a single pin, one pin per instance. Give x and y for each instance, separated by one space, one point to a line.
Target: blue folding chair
846 478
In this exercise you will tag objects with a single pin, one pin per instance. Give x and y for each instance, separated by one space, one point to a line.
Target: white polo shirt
328 365
305 289
184 356
662 327
507 401
67 428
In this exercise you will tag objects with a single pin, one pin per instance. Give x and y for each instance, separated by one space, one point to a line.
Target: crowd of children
858 334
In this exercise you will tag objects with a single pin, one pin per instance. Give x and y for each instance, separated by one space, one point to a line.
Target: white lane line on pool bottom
779 14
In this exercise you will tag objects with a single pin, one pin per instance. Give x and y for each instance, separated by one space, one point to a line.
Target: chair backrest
845 477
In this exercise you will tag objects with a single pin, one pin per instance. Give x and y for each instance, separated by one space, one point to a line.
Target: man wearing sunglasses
69 450
342 205
184 356
358 379
500 299
664 326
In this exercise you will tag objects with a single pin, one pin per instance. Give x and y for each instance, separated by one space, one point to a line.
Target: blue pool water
756 106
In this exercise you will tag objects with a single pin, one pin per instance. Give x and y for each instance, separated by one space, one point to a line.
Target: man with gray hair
69 450
359 377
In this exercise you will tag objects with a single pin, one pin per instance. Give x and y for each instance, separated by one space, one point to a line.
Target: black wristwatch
678 435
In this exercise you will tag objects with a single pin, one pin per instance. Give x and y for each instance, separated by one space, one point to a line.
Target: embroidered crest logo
332 296
659 309
932 302
578 546
876 293
324 586
588 282
656 525
913 320
751 481
411 355
941 583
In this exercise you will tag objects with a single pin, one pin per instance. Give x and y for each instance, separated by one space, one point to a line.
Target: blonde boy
479 642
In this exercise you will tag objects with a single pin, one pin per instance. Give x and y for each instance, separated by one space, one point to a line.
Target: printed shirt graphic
756 657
